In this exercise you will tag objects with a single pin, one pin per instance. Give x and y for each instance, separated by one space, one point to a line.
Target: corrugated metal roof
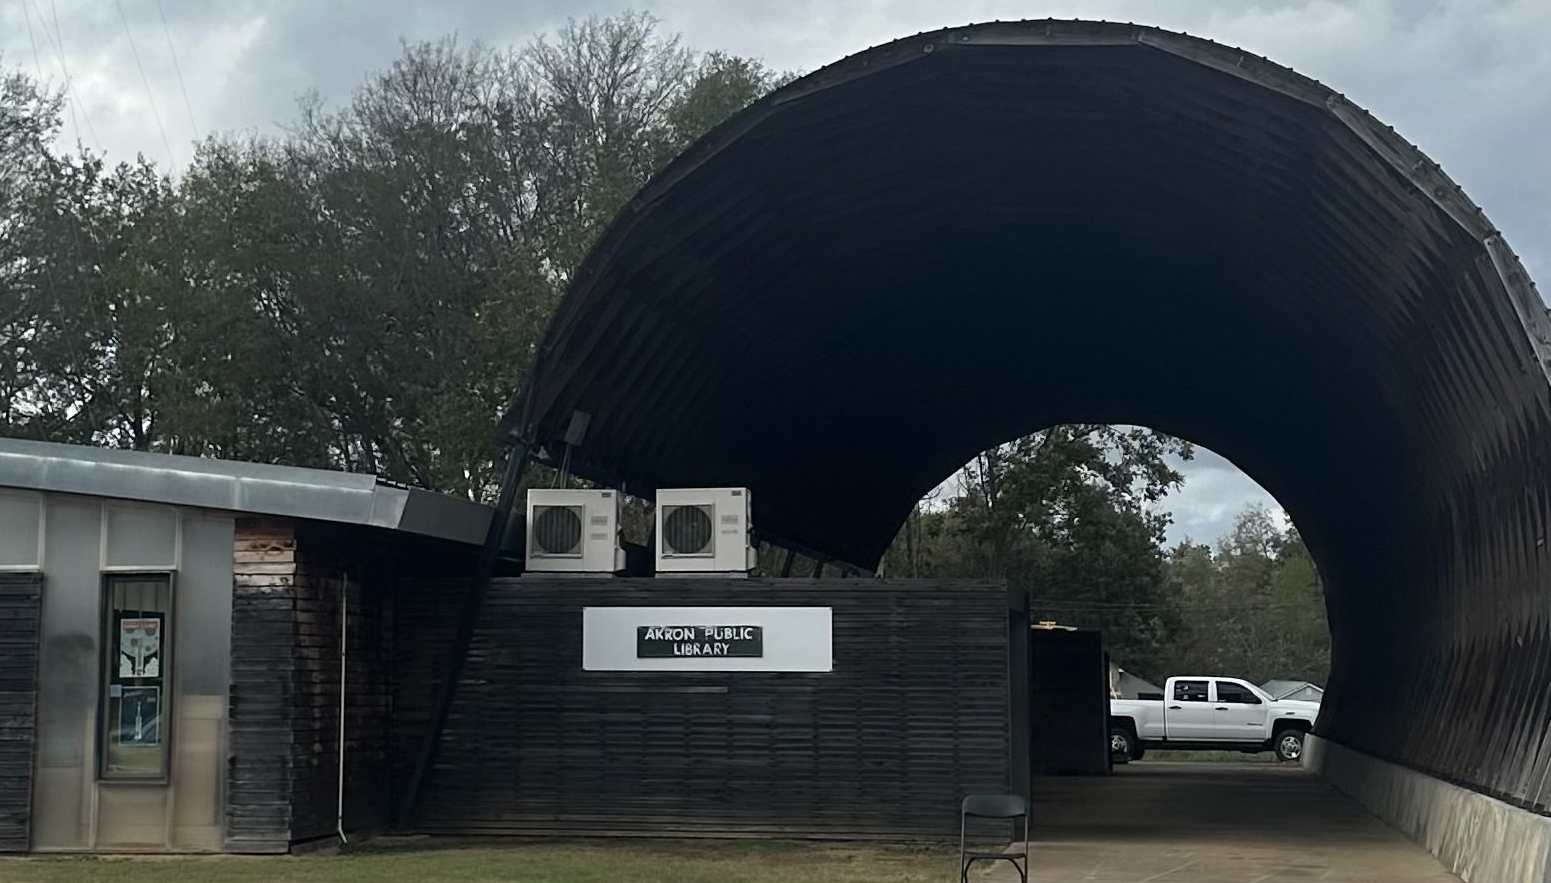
939 244
256 488
844 293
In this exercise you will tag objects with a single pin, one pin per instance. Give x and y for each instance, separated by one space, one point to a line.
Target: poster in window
139 716
139 645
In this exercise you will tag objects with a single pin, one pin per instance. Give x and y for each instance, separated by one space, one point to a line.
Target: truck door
1239 714
1188 713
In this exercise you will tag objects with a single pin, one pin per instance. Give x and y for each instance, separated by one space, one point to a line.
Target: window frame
1206 697
1219 683
106 636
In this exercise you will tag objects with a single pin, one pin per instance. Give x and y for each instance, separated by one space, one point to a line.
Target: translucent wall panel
20 529
131 816
64 784
185 590
135 712
142 537
202 657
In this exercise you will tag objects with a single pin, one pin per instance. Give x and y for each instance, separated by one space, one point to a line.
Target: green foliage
1069 515
1066 515
29 121
1255 607
362 293
723 85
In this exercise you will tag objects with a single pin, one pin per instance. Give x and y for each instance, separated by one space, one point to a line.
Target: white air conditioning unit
704 530
573 531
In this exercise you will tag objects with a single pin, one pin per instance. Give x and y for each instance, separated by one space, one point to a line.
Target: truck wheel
1122 744
1289 744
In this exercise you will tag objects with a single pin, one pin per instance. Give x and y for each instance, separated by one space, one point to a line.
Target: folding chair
993 806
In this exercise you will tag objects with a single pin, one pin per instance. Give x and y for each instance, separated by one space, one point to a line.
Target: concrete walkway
1161 822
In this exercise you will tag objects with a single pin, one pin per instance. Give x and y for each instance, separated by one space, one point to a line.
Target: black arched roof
845 292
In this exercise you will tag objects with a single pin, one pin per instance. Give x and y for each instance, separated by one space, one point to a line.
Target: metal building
949 241
120 574
208 656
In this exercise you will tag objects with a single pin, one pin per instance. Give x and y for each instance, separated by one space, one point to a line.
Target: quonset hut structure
843 293
833 300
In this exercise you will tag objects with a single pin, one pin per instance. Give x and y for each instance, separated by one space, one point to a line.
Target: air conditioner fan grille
557 530
687 530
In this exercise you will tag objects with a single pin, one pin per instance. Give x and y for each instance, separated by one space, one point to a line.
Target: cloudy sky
1469 81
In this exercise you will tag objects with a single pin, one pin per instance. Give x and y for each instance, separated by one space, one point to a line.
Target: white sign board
707 639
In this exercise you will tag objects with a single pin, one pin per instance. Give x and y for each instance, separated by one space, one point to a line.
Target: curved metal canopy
942 243
845 292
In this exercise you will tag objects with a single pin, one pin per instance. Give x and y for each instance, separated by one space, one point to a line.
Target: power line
57 40
177 68
37 61
75 122
1155 607
150 96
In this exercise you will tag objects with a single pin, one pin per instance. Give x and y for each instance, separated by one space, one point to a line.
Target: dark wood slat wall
328 557
284 714
258 797
369 786
914 715
1070 703
424 626
21 596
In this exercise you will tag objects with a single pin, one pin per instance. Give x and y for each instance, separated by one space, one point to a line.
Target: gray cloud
1465 81
1214 493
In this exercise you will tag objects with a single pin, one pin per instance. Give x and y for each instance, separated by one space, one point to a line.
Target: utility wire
1106 607
57 40
155 114
36 60
177 68
75 122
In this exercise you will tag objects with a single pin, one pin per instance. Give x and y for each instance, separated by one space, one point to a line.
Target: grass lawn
585 862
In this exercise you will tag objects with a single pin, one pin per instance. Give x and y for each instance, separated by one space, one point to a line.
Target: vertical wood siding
21 597
258 801
914 715
284 715
1070 703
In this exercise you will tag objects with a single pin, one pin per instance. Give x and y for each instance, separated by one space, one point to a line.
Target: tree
107 315
29 121
1067 515
361 293
1255 606
723 85
1043 482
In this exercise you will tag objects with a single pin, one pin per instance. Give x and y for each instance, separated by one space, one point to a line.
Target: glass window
136 674
1190 691
1227 691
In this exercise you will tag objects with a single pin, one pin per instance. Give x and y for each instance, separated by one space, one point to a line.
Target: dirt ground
590 862
1151 822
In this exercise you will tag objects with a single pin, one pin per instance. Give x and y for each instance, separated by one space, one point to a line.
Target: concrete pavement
1161 822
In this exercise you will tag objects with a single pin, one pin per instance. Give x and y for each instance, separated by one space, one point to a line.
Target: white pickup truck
1210 713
